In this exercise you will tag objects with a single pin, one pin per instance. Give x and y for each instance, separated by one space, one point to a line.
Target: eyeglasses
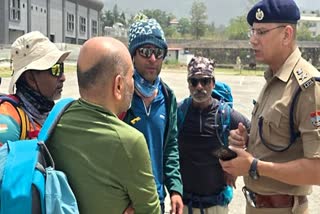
203 81
147 52
260 32
57 70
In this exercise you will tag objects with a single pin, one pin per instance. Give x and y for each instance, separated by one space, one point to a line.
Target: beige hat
33 51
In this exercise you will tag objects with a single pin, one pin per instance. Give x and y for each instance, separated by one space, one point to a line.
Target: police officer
282 159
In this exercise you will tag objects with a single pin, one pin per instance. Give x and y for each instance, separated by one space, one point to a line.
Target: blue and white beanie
146 31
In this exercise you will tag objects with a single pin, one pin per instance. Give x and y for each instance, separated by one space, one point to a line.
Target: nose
62 78
252 40
152 58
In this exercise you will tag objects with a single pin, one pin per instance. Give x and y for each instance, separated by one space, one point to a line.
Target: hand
230 180
239 137
176 204
129 210
238 166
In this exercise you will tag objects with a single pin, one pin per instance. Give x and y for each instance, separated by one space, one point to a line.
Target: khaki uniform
274 106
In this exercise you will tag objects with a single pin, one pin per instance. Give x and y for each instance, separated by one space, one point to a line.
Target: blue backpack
27 184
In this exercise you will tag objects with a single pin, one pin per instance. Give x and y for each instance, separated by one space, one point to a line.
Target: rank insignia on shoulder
305 80
315 119
308 83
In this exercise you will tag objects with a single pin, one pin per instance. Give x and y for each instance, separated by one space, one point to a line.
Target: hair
106 68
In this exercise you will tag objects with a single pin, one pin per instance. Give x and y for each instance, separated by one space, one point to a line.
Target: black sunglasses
147 52
203 81
57 70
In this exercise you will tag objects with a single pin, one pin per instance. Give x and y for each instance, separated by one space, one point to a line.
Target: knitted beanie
146 31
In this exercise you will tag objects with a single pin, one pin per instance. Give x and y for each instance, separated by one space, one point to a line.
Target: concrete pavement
244 89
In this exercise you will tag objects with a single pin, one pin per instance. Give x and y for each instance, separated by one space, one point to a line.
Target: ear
30 78
118 87
288 35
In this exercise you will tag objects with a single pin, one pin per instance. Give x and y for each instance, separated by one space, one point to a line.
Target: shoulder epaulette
303 77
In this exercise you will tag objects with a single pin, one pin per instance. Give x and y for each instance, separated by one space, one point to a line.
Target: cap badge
259 14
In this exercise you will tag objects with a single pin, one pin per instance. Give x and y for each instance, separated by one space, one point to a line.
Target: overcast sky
219 11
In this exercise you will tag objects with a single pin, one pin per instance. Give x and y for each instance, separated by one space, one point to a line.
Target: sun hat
33 51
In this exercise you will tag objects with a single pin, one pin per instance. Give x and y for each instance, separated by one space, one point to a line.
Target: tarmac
244 89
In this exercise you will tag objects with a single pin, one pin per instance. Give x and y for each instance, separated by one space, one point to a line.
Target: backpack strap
24 118
223 121
183 107
53 118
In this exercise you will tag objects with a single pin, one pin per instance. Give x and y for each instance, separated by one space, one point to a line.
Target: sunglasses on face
147 52
57 70
203 81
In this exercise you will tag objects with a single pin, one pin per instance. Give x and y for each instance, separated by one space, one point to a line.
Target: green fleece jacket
106 161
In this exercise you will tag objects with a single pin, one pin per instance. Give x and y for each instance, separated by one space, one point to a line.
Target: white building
314 24
70 21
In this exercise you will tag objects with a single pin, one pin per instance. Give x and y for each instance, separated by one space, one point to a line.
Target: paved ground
245 89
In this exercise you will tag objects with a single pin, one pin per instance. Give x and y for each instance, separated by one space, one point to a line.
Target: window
70 22
94 28
14 12
82 24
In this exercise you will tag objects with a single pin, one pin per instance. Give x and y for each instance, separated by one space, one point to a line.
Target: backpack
27 184
25 118
221 92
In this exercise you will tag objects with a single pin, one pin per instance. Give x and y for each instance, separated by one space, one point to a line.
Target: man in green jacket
154 108
106 161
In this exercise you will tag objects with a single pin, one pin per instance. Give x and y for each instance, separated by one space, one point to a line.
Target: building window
94 24
82 24
14 13
70 22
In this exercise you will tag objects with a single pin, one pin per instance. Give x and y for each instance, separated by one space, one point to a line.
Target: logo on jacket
134 120
315 119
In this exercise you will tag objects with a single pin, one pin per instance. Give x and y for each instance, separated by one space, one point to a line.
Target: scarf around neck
144 87
34 103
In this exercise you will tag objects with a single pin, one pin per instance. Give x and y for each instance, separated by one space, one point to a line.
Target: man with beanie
38 77
282 159
154 109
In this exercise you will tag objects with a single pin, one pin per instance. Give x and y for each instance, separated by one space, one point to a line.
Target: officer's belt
272 201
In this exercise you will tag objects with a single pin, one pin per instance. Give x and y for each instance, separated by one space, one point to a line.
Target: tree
163 18
184 26
238 29
115 13
303 32
198 18
107 18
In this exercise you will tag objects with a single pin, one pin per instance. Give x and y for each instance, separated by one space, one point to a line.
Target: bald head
100 59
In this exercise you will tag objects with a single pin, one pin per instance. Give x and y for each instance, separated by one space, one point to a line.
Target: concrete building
314 24
69 21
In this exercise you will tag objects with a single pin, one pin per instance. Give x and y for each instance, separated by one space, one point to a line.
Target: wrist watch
253 171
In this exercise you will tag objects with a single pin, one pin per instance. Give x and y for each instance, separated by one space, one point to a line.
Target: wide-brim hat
33 51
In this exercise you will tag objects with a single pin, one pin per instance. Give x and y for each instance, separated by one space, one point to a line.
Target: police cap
274 11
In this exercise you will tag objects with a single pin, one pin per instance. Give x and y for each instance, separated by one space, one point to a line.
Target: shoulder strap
294 135
53 118
223 121
182 111
24 118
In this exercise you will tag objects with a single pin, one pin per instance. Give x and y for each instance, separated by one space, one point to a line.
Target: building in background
314 24
63 21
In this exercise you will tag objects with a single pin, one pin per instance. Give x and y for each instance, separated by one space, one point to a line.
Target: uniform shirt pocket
275 128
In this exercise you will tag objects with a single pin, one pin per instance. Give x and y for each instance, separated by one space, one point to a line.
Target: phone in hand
224 153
